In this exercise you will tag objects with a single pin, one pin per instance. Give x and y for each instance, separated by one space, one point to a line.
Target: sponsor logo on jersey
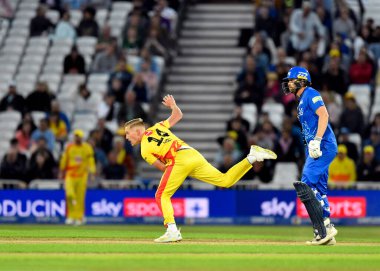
316 99
148 132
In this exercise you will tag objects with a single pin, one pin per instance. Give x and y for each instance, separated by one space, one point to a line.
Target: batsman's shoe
169 236
260 154
329 240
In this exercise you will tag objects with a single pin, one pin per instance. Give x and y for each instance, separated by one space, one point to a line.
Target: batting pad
313 207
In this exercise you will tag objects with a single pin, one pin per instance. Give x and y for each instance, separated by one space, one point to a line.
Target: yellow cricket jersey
158 142
342 170
78 160
59 130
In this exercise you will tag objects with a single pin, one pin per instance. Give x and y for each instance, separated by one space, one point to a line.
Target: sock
172 227
251 159
326 207
324 203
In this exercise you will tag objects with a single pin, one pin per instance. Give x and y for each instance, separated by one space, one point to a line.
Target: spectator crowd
45 126
341 52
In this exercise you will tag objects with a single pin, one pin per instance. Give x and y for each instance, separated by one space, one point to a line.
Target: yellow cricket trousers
189 162
75 189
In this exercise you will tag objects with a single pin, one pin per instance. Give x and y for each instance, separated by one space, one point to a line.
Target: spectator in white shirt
303 24
64 29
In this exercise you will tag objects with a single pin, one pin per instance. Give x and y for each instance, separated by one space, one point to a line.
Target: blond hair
134 122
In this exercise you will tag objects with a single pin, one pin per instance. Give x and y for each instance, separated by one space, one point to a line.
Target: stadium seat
37 116
11 116
53 87
4 146
124 6
63 43
53 15
101 16
60 50
36 50
85 117
11 68
249 112
32 59
51 77
8 125
75 17
362 95
86 41
45 184
275 112
74 78
30 68
122 184
42 41
285 173
26 77
28 5
197 185
6 77
374 111
276 119
67 107
53 68
13 49
6 135
100 88
161 64
55 60
19 41
20 32
26 14
25 88
20 23
98 78
357 140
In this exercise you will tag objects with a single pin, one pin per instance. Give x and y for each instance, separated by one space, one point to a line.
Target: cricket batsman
320 150
177 160
76 166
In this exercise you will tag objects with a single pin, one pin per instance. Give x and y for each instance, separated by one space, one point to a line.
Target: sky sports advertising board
190 207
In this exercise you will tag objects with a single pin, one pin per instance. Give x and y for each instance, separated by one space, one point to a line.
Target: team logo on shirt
148 132
316 99
300 111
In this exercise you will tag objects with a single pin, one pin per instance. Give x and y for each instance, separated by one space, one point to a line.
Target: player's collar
303 92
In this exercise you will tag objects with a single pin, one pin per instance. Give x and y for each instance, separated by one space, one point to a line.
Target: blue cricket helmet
298 73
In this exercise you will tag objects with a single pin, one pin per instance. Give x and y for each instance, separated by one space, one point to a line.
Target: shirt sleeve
165 123
91 160
315 101
63 161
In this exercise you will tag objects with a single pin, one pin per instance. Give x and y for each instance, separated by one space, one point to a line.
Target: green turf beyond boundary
55 248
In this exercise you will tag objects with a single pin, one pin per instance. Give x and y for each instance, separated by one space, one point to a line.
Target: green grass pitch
126 247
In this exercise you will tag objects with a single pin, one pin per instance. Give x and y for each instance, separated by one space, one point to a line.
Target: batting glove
315 148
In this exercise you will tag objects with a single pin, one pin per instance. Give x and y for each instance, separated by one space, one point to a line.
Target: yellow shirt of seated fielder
158 142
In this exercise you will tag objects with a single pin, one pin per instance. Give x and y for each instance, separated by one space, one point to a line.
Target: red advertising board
341 207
